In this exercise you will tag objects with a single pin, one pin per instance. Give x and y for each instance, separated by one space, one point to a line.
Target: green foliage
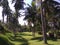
25 38
31 13
4 28
19 4
4 40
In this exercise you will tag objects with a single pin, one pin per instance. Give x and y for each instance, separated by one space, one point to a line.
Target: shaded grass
19 40
37 38
4 40
26 38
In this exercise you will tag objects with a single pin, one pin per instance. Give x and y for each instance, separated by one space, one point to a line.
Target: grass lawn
26 38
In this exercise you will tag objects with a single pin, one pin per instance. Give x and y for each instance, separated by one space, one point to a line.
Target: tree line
44 18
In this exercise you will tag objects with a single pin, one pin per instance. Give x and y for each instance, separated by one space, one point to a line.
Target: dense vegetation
43 23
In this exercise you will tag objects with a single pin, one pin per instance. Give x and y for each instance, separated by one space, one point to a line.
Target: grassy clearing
26 38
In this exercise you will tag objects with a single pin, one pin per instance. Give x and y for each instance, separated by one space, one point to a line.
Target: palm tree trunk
33 32
29 23
7 18
3 16
16 14
16 22
43 19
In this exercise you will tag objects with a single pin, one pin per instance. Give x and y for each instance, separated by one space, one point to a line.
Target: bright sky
21 18
11 6
1 13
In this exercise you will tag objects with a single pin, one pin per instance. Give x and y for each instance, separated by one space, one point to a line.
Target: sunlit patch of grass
26 38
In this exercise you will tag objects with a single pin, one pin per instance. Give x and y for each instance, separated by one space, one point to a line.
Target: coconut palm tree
19 4
43 19
6 9
47 8
30 16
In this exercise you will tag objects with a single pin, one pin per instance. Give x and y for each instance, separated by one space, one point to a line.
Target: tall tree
43 19
31 16
51 7
6 9
47 8
19 4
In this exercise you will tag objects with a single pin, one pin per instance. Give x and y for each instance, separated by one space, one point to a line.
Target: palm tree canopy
19 4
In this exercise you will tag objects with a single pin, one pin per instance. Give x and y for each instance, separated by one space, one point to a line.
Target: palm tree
51 7
43 19
31 16
47 9
6 9
19 4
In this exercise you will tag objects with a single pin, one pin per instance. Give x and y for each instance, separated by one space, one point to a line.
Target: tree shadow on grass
23 34
22 40
50 44
41 38
12 38
19 39
25 43
53 39
37 38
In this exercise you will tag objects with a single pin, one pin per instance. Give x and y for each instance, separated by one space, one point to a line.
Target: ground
26 38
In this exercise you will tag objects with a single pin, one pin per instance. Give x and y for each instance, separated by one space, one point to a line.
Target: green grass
4 40
26 38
